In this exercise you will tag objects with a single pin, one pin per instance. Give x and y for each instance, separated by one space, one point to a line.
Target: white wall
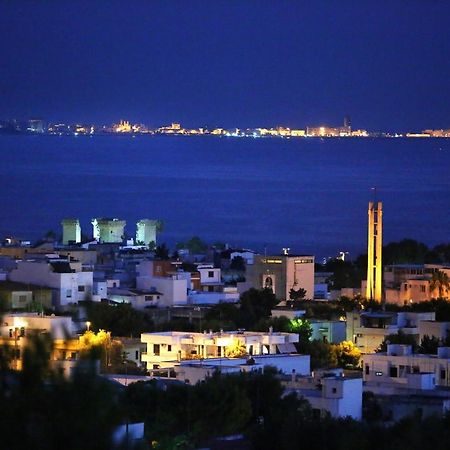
41 274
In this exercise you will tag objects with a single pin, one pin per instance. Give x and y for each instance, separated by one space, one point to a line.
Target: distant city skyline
230 64
126 126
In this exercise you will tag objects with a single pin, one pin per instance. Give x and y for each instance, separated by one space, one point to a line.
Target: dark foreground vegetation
42 410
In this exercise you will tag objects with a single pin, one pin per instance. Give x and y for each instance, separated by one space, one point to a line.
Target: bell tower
374 250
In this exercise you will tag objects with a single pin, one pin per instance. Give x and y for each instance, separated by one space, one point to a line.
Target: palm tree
441 282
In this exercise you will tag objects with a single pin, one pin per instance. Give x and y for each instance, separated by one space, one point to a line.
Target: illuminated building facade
146 230
71 231
283 273
168 348
108 230
374 251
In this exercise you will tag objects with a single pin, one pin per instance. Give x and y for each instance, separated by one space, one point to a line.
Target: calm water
308 194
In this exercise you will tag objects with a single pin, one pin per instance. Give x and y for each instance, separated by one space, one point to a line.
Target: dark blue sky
231 63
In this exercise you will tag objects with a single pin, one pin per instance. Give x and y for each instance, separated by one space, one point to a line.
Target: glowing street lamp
88 325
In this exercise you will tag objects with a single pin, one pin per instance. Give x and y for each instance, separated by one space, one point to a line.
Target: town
367 340
125 127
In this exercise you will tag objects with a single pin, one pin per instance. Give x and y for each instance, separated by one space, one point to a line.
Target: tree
236 350
441 282
303 328
347 354
429 345
237 264
195 245
255 305
297 295
322 354
97 346
398 338
120 320
162 252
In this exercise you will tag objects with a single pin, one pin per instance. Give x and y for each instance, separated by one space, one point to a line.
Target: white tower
108 230
71 231
146 230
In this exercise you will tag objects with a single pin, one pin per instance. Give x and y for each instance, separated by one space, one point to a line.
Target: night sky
230 63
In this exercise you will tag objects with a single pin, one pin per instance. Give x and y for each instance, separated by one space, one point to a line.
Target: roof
61 267
16 286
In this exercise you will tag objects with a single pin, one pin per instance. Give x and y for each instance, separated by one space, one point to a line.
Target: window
136 355
211 274
68 293
156 349
148 298
169 348
415 369
367 369
22 298
393 372
443 374
80 288
422 289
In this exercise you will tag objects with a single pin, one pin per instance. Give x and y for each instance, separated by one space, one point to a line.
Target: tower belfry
374 249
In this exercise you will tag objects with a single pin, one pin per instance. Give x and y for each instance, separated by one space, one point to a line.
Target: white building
247 255
69 282
283 273
368 329
59 327
137 298
330 393
108 230
71 231
146 230
194 371
399 367
166 349
405 383
151 276
210 289
333 331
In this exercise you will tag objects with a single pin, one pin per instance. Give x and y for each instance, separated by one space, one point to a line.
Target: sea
306 194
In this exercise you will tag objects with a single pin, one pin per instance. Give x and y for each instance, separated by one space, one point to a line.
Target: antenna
374 191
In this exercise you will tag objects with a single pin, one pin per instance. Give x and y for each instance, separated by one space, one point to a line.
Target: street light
88 325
